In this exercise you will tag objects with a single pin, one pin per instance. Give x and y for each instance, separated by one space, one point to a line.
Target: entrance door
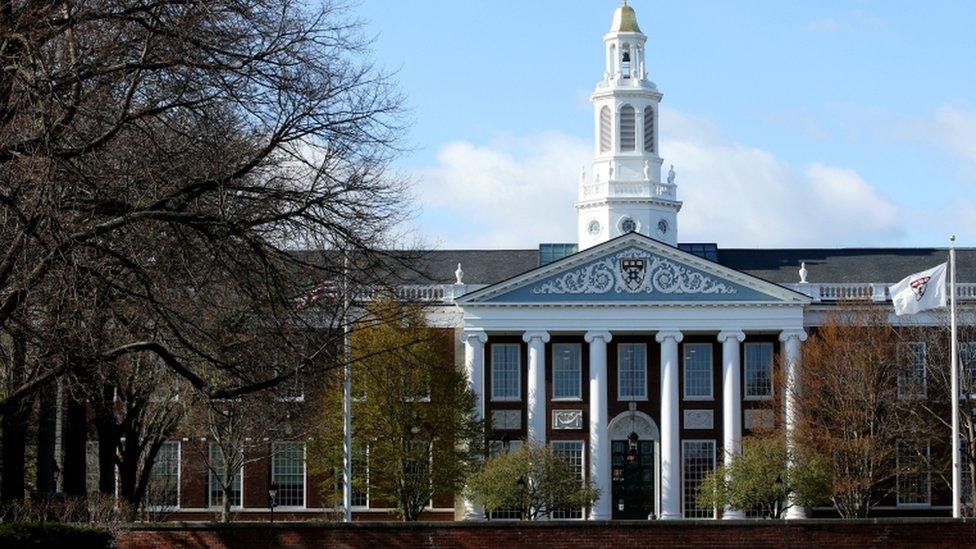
633 480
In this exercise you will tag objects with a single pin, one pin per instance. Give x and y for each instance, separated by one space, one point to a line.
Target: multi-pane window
572 452
628 128
288 473
163 489
914 476
967 367
649 129
605 129
498 447
698 371
697 460
219 461
759 370
360 475
505 369
632 371
911 376
567 371
967 477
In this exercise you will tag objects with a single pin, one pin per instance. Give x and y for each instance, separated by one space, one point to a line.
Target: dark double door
632 479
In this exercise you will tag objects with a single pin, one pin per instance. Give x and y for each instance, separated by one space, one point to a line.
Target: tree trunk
129 475
108 442
75 437
47 420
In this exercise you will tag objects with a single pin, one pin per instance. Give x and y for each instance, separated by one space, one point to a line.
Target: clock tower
623 191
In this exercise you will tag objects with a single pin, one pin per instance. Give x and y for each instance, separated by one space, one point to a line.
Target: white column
731 402
536 396
670 426
599 436
792 352
474 366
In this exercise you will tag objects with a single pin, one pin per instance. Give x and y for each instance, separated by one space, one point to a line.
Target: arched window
649 129
628 126
605 129
625 61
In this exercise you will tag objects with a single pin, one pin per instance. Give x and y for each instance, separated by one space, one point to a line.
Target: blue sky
789 123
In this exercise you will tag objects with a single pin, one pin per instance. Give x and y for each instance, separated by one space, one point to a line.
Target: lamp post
521 486
272 496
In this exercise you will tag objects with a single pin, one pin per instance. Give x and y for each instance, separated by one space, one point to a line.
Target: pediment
633 269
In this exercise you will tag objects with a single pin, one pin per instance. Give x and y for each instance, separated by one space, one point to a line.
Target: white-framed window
495 448
967 367
288 473
758 370
163 490
698 371
914 484
631 371
628 128
697 460
572 452
360 475
912 380
567 371
506 367
967 477
218 462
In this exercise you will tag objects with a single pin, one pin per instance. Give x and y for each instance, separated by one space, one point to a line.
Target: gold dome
624 19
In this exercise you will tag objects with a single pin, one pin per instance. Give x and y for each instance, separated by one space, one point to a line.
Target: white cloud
953 130
519 192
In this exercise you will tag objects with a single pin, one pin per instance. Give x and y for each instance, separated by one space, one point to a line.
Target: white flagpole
346 398
954 376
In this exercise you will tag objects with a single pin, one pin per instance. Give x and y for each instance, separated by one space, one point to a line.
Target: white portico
604 315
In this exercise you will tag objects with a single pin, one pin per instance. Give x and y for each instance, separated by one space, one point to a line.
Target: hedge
53 534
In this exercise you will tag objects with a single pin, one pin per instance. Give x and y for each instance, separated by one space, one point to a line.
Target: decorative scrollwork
606 275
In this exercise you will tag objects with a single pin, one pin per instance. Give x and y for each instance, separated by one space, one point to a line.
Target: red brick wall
822 533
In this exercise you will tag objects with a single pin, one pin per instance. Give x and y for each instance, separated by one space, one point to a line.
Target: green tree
760 480
532 480
413 410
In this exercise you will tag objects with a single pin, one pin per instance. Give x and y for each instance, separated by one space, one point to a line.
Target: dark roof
774 265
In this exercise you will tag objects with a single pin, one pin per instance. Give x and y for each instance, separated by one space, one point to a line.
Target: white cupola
623 191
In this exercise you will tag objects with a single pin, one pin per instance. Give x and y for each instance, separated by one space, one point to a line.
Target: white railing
629 188
860 291
425 293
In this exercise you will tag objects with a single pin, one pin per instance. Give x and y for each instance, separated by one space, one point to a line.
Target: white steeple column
792 352
536 397
599 435
731 401
474 366
670 426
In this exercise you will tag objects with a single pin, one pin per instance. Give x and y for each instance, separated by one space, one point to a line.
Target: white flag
920 291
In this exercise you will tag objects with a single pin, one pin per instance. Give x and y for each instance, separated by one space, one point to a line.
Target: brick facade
803 533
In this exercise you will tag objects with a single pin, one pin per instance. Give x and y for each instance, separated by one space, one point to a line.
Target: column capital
604 335
478 335
787 335
536 334
665 335
738 335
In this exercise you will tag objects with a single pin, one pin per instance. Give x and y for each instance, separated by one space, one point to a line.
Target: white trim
928 482
745 368
621 398
579 373
711 373
518 372
714 466
304 504
779 294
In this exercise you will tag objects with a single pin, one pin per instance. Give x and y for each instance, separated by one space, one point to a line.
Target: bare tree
853 406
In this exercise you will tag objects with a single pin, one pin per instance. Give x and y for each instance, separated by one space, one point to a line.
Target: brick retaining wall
833 534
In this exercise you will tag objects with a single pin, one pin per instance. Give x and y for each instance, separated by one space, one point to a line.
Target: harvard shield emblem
633 273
